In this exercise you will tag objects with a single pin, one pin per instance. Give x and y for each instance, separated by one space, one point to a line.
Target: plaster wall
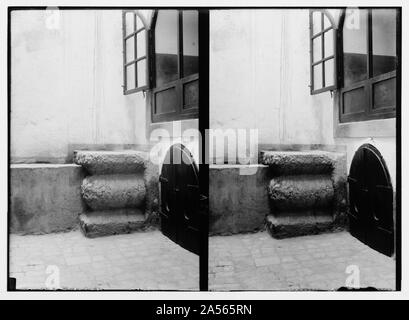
259 77
66 85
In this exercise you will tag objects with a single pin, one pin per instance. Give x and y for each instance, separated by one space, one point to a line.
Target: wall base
44 198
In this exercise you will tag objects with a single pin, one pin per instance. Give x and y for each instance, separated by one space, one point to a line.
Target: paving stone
104 263
316 262
266 261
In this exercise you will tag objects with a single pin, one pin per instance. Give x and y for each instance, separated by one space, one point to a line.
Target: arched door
179 182
371 200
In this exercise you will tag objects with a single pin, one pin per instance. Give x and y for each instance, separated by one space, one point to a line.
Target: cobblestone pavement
318 262
145 260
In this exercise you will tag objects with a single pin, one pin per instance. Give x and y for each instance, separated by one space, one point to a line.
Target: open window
369 64
323 48
135 56
164 59
175 65
359 57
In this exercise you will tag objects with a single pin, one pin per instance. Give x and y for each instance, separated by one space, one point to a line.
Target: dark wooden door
179 181
371 200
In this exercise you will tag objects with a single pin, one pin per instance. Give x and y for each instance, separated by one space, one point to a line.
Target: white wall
259 76
66 85
386 146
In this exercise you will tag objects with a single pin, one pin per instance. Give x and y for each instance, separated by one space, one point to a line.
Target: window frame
180 113
125 37
321 33
369 113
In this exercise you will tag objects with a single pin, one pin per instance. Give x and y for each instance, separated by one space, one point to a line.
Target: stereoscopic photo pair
204 149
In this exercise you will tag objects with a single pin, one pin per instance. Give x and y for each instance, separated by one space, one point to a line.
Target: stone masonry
121 192
307 192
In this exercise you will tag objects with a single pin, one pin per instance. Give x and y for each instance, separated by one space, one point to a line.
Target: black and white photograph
308 203
194 148
93 206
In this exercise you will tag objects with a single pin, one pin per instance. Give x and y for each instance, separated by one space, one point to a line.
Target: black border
203 147
398 198
204 104
8 143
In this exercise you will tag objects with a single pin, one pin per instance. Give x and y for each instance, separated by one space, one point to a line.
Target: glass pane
384 94
329 72
165 101
327 22
329 43
384 40
355 46
190 43
166 46
130 49
139 23
317 48
316 22
354 101
130 77
141 44
141 68
129 22
317 71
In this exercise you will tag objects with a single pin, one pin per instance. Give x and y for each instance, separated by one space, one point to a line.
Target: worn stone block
114 191
306 223
111 162
151 177
298 162
105 162
111 222
307 193
301 192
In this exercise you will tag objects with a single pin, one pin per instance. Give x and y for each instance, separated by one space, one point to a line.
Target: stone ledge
110 162
301 192
299 162
300 225
43 166
104 223
113 191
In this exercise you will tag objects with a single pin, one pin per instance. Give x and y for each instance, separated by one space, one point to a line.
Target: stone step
109 162
300 205
300 224
299 162
307 191
111 222
288 193
114 191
